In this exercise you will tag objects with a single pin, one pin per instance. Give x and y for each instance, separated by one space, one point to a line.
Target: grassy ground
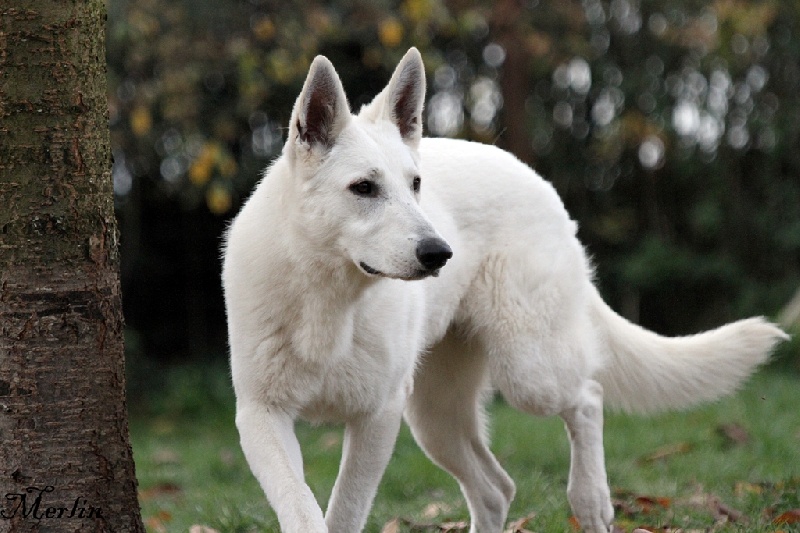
689 470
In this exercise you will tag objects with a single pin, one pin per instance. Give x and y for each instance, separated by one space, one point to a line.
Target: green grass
191 470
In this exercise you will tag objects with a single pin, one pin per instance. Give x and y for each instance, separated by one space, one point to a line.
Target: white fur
316 334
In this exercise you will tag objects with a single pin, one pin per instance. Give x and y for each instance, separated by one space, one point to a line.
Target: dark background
671 129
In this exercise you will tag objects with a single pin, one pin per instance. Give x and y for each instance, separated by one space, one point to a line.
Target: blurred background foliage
671 129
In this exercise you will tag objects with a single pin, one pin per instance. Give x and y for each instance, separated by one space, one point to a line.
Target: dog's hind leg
445 413
587 489
544 375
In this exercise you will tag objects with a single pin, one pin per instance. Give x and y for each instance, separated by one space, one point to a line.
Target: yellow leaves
202 167
745 487
390 32
418 10
228 166
748 18
200 172
144 23
214 159
263 28
212 156
218 199
281 66
141 121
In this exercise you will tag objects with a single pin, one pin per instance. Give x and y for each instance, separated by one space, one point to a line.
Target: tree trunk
65 459
514 78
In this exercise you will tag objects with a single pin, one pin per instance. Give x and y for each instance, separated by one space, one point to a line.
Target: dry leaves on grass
518 526
576 526
157 523
159 490
734 434
721 512
665 452
632 509
789 517
393 526
197 528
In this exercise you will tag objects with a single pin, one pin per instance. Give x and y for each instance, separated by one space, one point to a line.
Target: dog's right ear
321 111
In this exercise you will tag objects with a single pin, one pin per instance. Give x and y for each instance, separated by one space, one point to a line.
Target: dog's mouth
419 274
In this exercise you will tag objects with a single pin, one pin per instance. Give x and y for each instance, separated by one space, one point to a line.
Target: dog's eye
416 183
364 188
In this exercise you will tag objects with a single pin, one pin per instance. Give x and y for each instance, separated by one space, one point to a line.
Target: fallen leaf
576 525
202 529
789 517
166 456
453 526
667 451
392 526
719 510
155 525
158 491
157 522
623 508
434 509
734 434
648 502
518 526
745 487
227 456
330 440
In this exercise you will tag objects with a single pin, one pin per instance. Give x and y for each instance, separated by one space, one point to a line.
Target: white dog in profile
374 273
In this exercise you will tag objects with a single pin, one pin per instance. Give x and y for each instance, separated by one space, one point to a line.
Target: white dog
374 273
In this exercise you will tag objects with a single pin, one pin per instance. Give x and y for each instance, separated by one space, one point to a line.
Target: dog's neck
322 308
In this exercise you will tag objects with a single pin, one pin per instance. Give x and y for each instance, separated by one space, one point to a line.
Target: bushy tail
646 372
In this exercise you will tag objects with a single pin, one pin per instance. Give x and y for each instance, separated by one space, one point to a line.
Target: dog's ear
321 110
402 100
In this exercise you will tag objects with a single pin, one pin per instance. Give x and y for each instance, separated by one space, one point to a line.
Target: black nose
433 253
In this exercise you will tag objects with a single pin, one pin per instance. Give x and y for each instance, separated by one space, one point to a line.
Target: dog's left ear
402 100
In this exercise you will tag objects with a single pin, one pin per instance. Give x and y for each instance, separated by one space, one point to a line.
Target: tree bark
65 458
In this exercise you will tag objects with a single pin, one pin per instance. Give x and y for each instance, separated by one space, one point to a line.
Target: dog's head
358 175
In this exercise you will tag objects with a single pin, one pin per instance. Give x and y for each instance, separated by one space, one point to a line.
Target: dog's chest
364 373
333 367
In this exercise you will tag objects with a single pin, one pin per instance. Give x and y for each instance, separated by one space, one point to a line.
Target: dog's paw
592 507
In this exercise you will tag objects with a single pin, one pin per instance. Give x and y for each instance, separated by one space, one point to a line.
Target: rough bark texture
65 457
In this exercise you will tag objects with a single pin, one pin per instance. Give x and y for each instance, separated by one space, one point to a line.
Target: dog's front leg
271 448
368 444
